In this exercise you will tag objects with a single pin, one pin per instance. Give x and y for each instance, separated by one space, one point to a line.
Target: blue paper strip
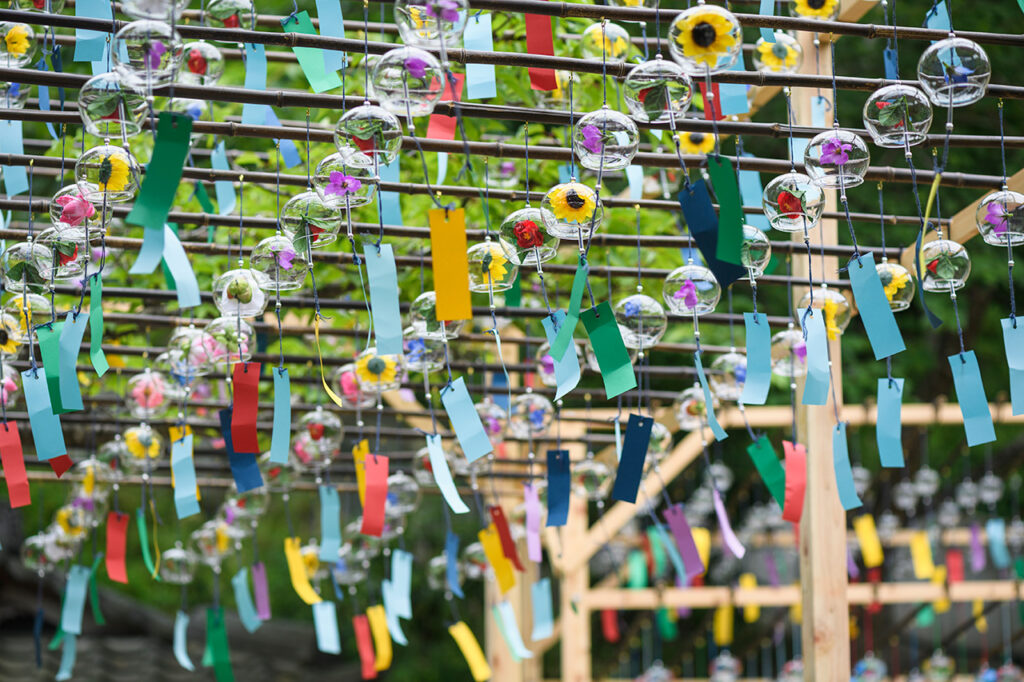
1013 341
758 379
543 610
186 502
819 105
332 24
889 428
451 552
818 374
709 407
672 550
401 582
281 435
243 464
510 628
330 524
480 80
634 452
151 251
47 433
844 473
567 370
970 392
255 79
325 620
70 343
751 190
44 98
732 97
387 593
90 44
767 9
875 311
559 487
225 189
67 658
181 641
12 141
635 178
892 69
995 529
389 205
702 221
383 280
443 475
289 152
185 284
74 599
243 601
465 421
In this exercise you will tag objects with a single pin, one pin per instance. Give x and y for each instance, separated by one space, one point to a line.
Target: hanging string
1009 238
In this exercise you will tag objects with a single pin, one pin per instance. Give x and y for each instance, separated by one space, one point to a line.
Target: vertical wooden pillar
573 613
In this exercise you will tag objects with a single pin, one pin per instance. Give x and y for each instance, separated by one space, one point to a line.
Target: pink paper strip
977 550
532 497
728 537
259 586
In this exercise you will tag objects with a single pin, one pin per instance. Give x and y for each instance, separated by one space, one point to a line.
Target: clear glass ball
431 23
531 415
14 95
897 283
719 475
823 10
705 38
926 481
142 444
149 394
490 269
792 202
727 376
346 570
17 44
23 311
239 292
948 515
48 6
9 377
557 99
312 219
967 495
422 354
370 130
11 336
1009 672
346 181
178 565
546 364
605 140
70 208
202 64
347 387
111 108
230 13
990 488
755 251
954 72
789 353
725 668
34 554
575 210
659 446
526 231
424 322
408 82
312 454
792 671
642 321
195 109
657 90
27 266
437 572
278 478
605 41
691 290
836 159
690 408
897 115
163 10
108 175
862 480
835 306
945 266
939 667
870 669
403 495
782 56
146 54
280 265
1000 218
378 373
494 418
504 175
69 248
324 429
233 340
474 559
591 479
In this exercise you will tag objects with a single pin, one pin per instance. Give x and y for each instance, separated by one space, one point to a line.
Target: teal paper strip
769 467
844 472
657 551
281 435
567 370
612 357
46 429
673 551
12 141
389 205
758 379
67 658
709 407
70 344
181 641
995 529
255 79
224 189
186 503
332 24
732 97
889 427
543 610
970 392
1013 342
635 179
90 44
97 327
217 639
186 285
443 475
465 421
480 80
49 352
311 59
767 9
330 524
387 592
383 279
325 620
564 337
818 375
243 601
875 311
74 600
401 582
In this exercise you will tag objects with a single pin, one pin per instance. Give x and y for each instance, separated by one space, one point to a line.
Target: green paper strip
49 350
612 357
96 327
217 642
94 592
666 626
730 210
311 59
926 616
1018 566
657 551
140 523
203 197
168 277
636 570
572 318
514 296
770 468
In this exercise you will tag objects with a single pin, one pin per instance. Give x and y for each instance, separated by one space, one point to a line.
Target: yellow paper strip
297 572
796 611
359 453
722 627
471 651
921 555
451 268
702 539
943 604
499 562
753 612
323 379
867 537
978 611
381 637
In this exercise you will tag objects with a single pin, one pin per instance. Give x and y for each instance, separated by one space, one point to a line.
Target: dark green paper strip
572 318
217 642
770 468
140 523
311 59
730 210
514 296
204 203
49 350
96 327
94 592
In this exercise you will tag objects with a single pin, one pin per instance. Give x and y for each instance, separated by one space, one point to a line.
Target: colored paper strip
873 306
96 326
381 637
730 209
331 23
186 287
67 658
888 427
401 582
543 610
364 644
501 566
325 621
224 189
330 524
281 435
217 643
970 393
466 424
90 44
181 641
260 590
729 538
442 126
243 465
508 545
867 538
768 466
297 572
531 501
73 606
450 266
818 375
12 141
675 517
563 337
70 343
376 495
1013 342
748 581
243 601
480 79
634 454
163 175
844 472
559 487
921 555
387 590
470 649
796 481
183 470
709 406
567 370
389 205
612 357
540 41
383 281
443 475
702 223
311 59
47 434
977 549
995 529
255 79
767 9
13 460
758 378
116 548
510 629
451 555
245 377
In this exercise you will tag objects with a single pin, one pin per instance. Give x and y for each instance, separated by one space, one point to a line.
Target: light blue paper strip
225 189
46 429
383 279
90 44
995 529
543 611
181 641
888 427
387 593
635 177
401 583
243 601
819 105
442 167
332 24
255 79
12 141
844 473
465 421
44 98
67 658
325 620
330 524
151 251
879 321
102 65
289 152
186 285
74 599
672 550
567 370
480 80
451 553
564 174
618 441
516 658
767 9
750 194
70 343
1013 341
388 203
818 375
443 475
758 379
716 428
281 435
186 503
511 630
970 392
733 96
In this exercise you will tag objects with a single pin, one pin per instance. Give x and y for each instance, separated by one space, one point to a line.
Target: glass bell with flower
870 669
163 10
280 266
26 266
926 481
1000 217
230 13
149 394
233 339
408 82
691 290
347 571
70 208
954 72
783 55
575 209
945 266
591 479
1009 672
834 305
494 418
659 445
370 130
424 322
111 108
939 667
189 353
526 232
35 556
423 470
378 373
347 387
403 495
108 174
821 10
9 388
690 408
146 54
546 363
724 668
990 488
967 495
897 284
836 159
793 202
490 269
195 109
605 140
705 39
202 64
531 414
14 95
755 251
789 353
346 180
605 41
17 44
728 374
178 565
278 478
474 560
11 337
431 23
239 292
642 321
897 115
69 249
792 671
557 99
422 354
437 573
143 447
26 310
48 6
313 221
317 438
657 90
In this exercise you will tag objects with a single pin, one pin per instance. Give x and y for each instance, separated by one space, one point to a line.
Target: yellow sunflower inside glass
10 335
696 143
572 202
706 37
816 9
613 46
114 173
777 56
898 281
493 267
17 40
142 442
831 309
376 369
312 563
70 520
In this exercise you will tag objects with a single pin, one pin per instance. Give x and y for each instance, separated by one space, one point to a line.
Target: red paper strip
246 380
540 40
610 625
874 577
13 460
117 540
60 464
954 566
364 642
376 495
712 108
508 545
796 481
442 126
645 545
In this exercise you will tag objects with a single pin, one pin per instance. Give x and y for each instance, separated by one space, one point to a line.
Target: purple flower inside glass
341 184
688 293
995 215
285 258
416 67
593 140
154 53
835 152
446 10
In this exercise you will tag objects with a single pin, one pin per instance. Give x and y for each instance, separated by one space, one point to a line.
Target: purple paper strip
683 611
262 594
533 550
732 542
677 523
772 568
977 550
851 566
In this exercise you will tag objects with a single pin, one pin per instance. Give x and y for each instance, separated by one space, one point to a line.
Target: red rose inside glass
790 204
527 234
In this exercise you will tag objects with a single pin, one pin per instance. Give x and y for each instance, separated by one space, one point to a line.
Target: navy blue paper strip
559 480
451 550
243 464
703 223
634 452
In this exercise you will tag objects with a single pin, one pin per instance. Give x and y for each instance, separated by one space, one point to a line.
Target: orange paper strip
451 269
